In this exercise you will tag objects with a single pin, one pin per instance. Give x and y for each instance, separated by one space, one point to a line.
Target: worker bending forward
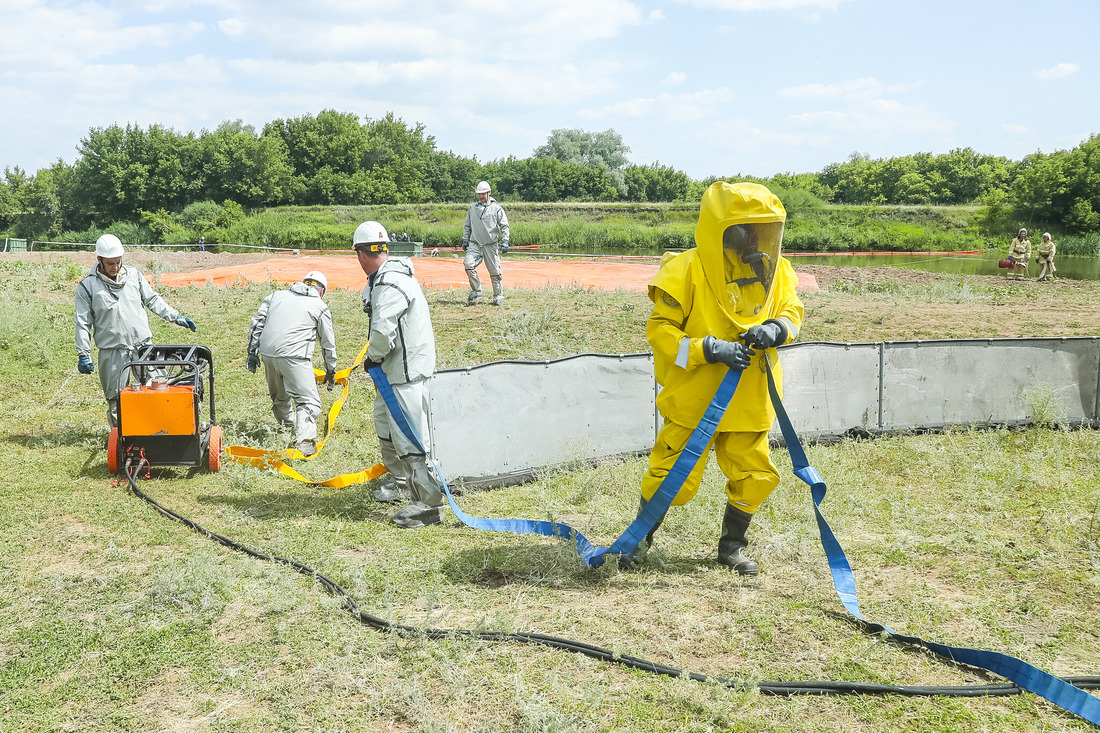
723 305
110 303
283 332
402 342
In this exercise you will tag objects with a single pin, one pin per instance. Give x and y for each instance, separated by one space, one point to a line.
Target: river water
1073 268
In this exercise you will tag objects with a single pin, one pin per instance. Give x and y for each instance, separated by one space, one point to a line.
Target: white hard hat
372 235
483 187
108 246
1023 231
316 276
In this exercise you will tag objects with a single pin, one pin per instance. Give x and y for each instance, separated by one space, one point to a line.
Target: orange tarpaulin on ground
343 272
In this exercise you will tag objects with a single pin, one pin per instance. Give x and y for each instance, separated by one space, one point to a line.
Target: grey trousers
291 379
490 254
401 457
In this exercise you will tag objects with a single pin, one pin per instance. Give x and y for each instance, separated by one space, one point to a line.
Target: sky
709 87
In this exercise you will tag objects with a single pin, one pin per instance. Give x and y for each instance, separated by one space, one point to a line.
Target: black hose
785 689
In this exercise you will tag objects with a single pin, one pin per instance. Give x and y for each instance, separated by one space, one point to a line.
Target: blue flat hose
1020 673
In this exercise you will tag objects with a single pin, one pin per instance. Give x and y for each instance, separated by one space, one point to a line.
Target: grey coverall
113 313
402 340
283 332
485 228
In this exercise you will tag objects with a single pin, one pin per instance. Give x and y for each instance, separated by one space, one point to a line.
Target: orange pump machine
160 415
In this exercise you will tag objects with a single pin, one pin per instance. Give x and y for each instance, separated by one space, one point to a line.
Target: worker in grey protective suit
110 307
283 332
402 342
486 226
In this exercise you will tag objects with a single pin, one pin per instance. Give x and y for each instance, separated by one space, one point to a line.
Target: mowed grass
118 619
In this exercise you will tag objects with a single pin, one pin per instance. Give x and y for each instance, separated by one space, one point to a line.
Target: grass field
118 619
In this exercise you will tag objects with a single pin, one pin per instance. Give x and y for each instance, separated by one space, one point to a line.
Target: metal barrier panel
829 388
508 418
981 381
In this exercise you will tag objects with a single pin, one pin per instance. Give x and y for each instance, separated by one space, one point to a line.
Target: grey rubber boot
391 490
418 514
627 561
731 546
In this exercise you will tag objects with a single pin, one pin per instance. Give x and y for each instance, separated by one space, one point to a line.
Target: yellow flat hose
275 459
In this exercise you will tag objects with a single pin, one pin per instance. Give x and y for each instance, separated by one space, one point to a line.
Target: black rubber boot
731 547
626 562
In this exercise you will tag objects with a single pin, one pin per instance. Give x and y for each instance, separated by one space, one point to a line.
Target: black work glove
253 363
369 364
330 379
768 334
733 354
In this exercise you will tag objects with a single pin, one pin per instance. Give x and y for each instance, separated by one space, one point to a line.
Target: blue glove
733 354
503 246
253 363
186 323
465 246
768 334
84 364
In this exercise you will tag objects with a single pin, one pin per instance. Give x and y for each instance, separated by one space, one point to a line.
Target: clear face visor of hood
751 253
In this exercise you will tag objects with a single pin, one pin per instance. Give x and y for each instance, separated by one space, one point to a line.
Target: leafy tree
656 183
326 153
245 167
1035 186
589 149
45 202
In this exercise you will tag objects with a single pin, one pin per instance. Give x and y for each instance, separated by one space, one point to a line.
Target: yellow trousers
744 458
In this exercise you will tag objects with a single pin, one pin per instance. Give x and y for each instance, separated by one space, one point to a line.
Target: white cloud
232 26
880 118
1057 71
657 14
1016 129
750 5
853 89
675 78
669 107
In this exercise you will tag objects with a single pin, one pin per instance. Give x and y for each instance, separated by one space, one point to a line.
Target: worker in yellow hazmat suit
1045 258
724 305
1019 252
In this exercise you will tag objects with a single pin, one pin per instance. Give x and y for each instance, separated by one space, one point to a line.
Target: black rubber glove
253 363
330 379
369 364
768 334
733 354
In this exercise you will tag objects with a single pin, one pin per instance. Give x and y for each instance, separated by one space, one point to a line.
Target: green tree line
156 180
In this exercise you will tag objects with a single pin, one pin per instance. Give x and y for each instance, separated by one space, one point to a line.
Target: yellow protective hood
723 205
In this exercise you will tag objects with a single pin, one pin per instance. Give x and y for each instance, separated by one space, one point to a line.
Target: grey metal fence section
829 388
988 381
509 419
